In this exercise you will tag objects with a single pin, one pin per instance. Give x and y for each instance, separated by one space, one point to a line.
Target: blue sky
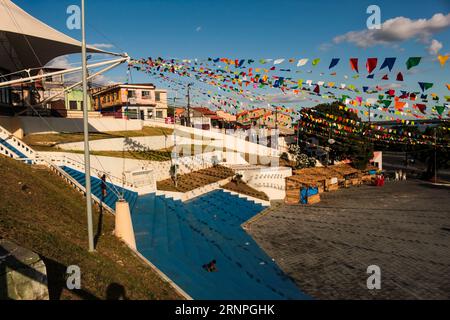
257 29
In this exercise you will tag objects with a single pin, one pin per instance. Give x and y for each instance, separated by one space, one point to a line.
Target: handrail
76 183
110 176
41 158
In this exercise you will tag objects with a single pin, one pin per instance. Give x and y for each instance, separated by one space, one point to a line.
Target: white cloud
434 47
60 62
325 46
286 97
397 30
198 29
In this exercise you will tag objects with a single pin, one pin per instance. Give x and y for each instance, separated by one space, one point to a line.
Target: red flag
399 77
371 64
385 77
354 64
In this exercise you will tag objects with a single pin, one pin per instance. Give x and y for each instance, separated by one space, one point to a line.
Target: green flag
440 109
315 61
412 62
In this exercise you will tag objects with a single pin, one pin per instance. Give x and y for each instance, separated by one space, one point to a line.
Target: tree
343 139
436 156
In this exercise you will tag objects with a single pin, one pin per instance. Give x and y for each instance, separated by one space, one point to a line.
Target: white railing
17 143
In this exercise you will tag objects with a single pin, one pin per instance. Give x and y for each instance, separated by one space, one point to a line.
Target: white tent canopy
27 43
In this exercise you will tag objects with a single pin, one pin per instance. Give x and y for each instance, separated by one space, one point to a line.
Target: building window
146 94
159 114
131 94
73 105
158 96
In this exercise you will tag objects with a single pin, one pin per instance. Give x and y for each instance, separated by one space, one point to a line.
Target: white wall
32 125
270 180
116 167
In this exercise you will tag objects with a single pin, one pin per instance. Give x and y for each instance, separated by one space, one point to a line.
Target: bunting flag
278 61
443 59
425 85
422 107
302 62
399 76
385 77
412 62
440 109
389 63
371 64
448 86
334 62
317 89
315 62
354 64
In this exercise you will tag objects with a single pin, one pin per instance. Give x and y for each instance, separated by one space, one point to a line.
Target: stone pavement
403 227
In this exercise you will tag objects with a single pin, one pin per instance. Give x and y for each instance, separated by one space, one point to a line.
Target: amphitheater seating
180 237
111 197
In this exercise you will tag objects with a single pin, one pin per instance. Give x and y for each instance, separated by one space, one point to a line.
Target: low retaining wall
32 125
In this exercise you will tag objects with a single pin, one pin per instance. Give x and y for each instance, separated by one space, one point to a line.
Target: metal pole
189 105
435 155
87 162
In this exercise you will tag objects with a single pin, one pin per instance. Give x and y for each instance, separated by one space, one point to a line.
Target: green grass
45 141
39 211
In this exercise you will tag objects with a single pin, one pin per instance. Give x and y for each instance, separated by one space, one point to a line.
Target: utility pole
435 155
189 104
87 160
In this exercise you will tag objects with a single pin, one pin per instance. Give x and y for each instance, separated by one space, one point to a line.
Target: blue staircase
179 238
12 148
111 197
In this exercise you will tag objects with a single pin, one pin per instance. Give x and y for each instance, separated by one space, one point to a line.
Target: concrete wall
116 167
31 125
270 180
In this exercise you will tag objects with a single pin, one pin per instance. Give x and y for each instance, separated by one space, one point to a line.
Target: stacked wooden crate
293 186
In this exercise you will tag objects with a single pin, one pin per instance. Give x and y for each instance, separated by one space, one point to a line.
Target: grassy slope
49 218
44 141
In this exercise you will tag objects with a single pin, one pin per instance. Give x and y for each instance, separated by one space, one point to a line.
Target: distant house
200 117
225 120
136 101
264 118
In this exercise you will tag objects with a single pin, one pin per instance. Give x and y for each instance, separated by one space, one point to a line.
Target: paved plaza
403 227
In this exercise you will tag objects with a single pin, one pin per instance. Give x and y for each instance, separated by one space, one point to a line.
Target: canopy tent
27 43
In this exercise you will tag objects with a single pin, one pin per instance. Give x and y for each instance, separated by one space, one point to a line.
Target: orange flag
443 59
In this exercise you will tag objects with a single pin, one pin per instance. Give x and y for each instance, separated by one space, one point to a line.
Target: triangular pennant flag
385 77
443 59
315 61
425 85
388 62
317 89
412 62
422 107
334 62
354 64
399 76
371 64
370 76
302 62
278 61
440 109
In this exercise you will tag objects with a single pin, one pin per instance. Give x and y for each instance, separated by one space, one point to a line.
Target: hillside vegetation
42 213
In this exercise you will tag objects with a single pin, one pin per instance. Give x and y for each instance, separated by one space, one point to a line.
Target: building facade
135 101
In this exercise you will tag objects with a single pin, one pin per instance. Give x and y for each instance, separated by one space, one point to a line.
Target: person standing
103 186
